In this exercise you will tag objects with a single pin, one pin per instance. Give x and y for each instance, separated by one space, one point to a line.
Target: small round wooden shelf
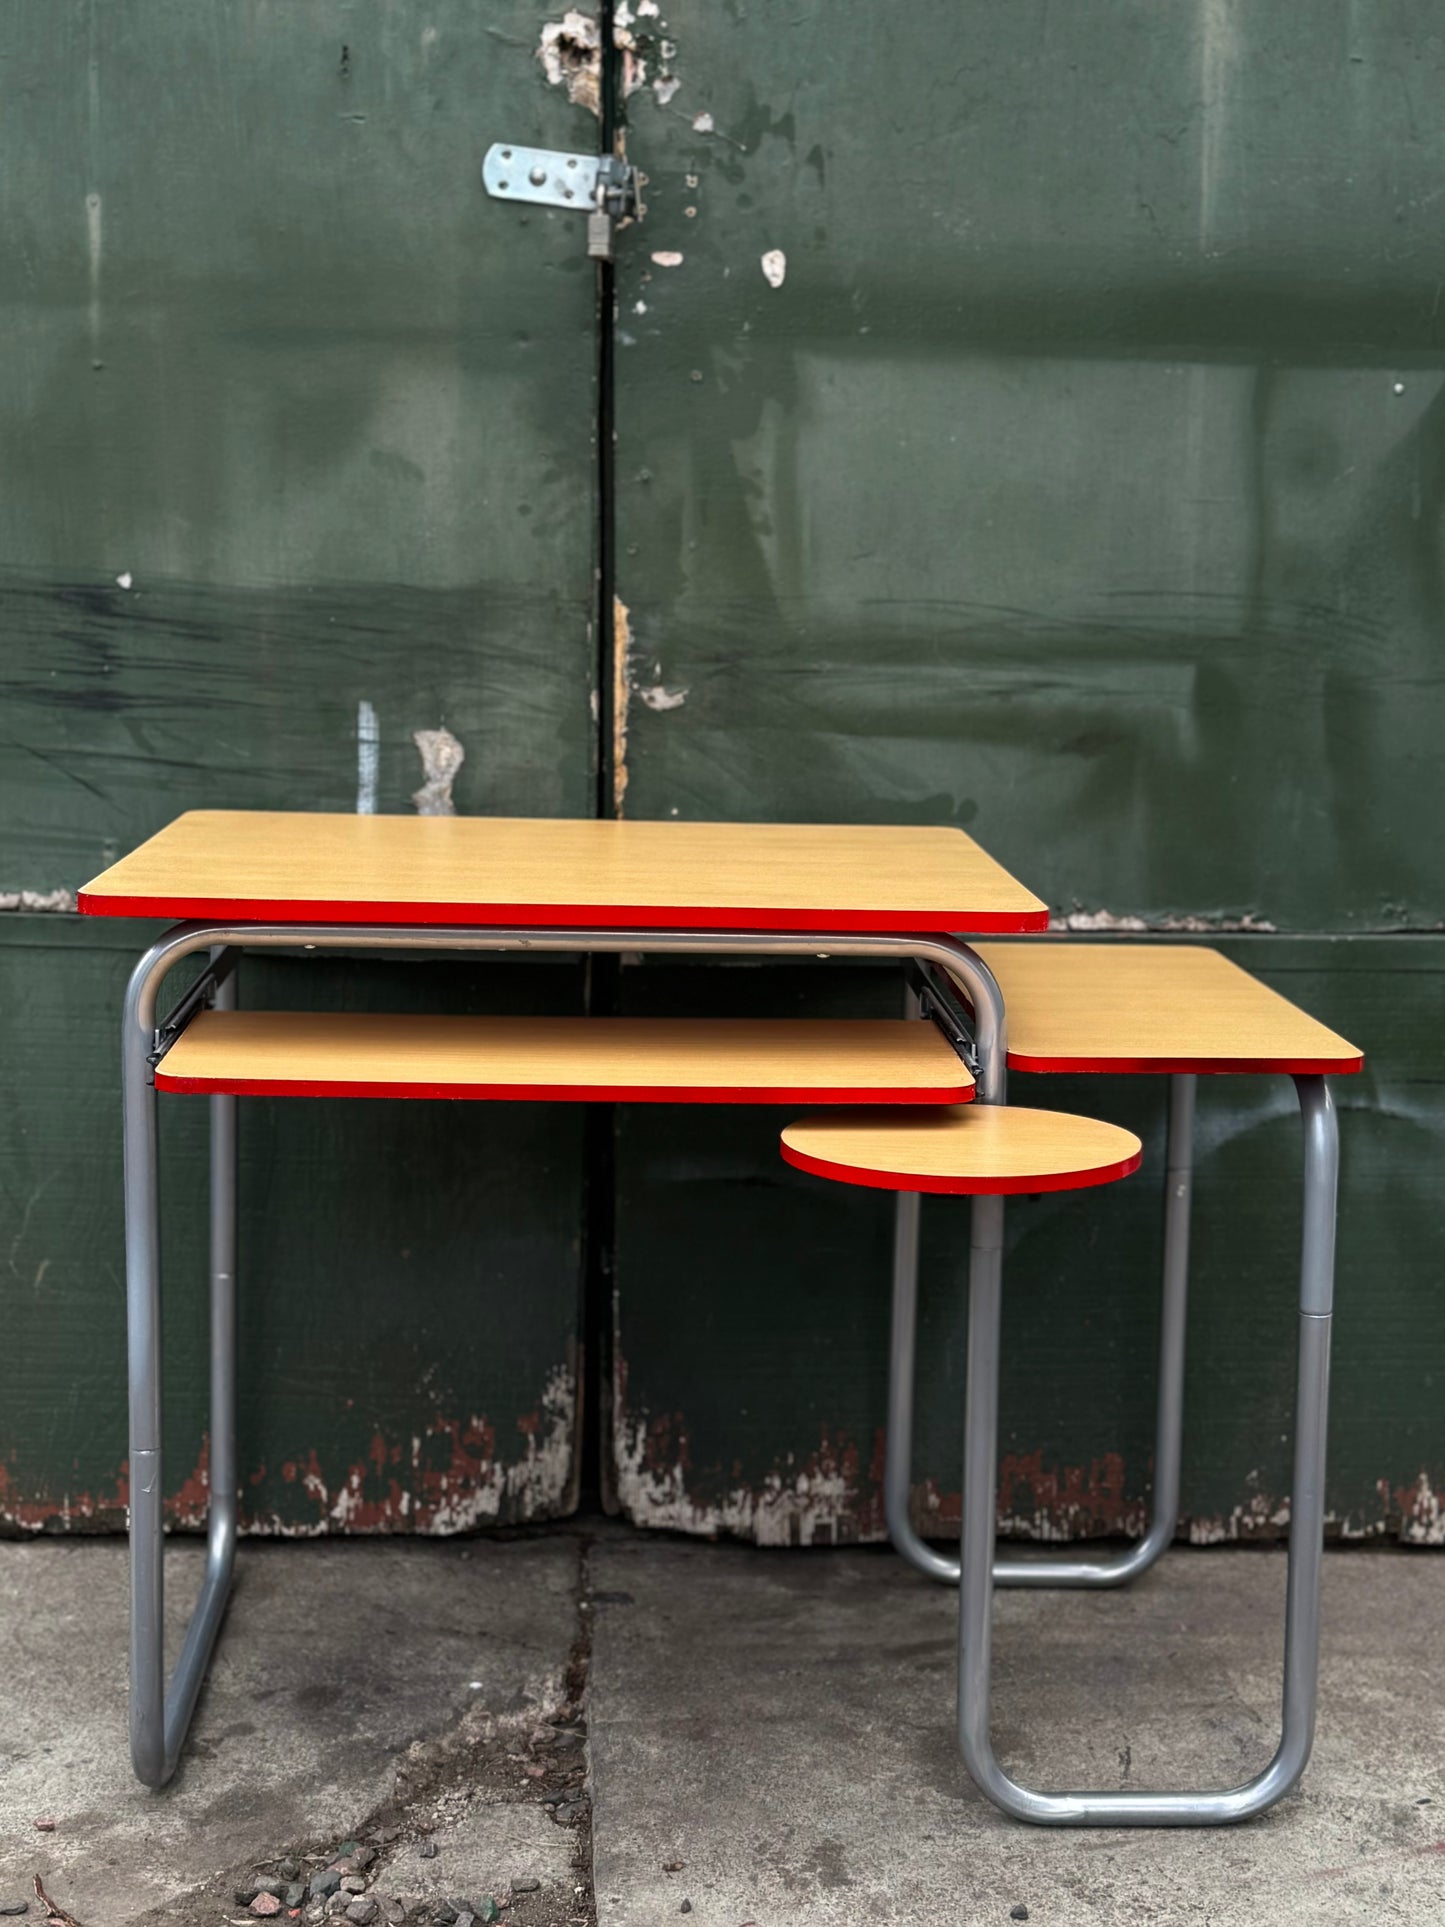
996 1148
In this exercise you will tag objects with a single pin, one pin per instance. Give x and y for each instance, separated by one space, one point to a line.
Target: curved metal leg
1301 1656
159 1719
989 1034
1118 1568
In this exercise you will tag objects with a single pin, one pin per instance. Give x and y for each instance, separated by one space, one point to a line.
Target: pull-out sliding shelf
643 1059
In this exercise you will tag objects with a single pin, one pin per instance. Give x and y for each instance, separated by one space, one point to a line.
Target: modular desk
269 880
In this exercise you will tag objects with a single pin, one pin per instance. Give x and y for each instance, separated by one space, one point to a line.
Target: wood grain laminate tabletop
1126 1006
283 866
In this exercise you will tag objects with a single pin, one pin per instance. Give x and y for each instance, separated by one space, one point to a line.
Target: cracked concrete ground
798 1710
768 1736
379 1682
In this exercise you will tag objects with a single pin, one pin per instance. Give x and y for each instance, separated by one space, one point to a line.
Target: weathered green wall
292 423
1080 485
409 1271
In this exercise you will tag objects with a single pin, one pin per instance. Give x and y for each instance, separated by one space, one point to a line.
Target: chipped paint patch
621 700
828 1497
1260 1517
38 900
815 1501
667 258
1422 1514
703 124
775 267
647 58
368 758
659 698
441 757
448 1478
1216 923
570 51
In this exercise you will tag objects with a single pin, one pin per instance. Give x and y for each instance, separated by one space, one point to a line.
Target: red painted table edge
958 1187
554 916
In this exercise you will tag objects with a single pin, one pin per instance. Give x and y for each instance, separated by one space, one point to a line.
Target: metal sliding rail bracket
201 996
936 1004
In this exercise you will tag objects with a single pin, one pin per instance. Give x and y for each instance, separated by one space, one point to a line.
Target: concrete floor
779 1723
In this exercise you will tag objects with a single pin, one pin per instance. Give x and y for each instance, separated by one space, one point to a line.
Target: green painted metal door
1025 418
1031 419
299 461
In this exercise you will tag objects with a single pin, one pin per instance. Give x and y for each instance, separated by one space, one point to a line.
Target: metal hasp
601 186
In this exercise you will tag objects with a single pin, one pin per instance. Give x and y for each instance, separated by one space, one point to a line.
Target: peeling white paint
667 258
1191 925
792 1509
639 307
703 124
441 757
571 55
1425 1523
775 267
124 579
1096 920
664 87
1257 1517
42 900
659 698
621 701
368 758
536 1483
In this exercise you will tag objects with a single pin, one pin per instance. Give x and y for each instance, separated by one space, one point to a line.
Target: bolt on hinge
602 186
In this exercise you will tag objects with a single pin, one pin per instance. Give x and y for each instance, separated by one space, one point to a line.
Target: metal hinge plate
588 183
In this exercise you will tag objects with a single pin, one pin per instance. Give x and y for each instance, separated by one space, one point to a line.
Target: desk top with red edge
293 867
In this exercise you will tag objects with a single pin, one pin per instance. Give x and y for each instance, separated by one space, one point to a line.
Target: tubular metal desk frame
160 1716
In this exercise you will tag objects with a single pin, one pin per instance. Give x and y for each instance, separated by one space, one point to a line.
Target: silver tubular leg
159 1719
988 1009
1118 1568
1302 1609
